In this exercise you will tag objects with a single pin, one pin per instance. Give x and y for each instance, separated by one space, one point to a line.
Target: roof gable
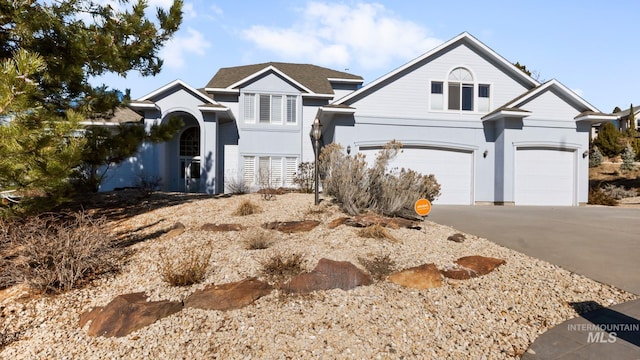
552 85
154 95
464 38
309 78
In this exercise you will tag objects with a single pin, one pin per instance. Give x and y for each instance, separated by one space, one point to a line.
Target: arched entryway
189 156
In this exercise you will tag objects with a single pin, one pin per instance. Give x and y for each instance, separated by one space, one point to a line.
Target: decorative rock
457 237
292 226
425 276
329 274
125 314
472 266
228 296
221 227
337 222
364 220
177 229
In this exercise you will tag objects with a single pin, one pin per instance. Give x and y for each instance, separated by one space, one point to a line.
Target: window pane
190 142
454 96
291 109
265 108
249 108
195 169
467 97
483 91
436 87
276 109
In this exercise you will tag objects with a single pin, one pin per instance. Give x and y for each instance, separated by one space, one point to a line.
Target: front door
190 159
190 174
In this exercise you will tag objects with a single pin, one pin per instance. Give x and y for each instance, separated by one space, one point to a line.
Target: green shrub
358 187
628 158
608 140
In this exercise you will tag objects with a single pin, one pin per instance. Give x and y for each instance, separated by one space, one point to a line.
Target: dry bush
246 207
305 177
267 189
237 186
376 231
7 337
278 268
258 239
54 252
380 266
598 197
618 192
357 187
189 268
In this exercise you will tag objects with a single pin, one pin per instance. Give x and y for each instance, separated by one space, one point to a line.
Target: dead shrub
258 239
305 177
379 266
279 268
7 337
189 268
57 252
358 187
376 231
236 186
246 207
599 197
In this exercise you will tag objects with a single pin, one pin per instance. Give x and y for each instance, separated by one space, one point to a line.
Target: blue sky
590 46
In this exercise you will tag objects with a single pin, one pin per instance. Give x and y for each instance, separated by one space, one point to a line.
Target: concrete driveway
602 243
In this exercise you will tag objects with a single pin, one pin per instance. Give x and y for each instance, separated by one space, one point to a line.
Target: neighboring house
621 121
486 130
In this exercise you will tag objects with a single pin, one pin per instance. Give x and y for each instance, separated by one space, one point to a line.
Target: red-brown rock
292 226
329 274
221 227
472 266
228 296
337 222
125 314
425 276
364 220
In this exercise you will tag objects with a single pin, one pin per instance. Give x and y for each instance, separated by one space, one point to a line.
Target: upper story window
270 109
462 93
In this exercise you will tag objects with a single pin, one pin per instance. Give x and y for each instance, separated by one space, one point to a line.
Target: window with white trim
274 170
437 96
460 90
270 109
484 97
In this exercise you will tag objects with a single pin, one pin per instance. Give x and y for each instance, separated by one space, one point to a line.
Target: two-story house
488 132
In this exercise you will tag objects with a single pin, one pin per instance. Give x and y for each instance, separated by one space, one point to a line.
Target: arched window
460 86
190 142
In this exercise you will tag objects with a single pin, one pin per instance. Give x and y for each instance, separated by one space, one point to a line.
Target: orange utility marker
422 208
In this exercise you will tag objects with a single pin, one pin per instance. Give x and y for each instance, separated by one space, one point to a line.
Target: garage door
453 170
544 176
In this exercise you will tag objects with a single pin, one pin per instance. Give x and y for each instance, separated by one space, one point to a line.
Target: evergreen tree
608 140
48 53
628 158
595 158
631 121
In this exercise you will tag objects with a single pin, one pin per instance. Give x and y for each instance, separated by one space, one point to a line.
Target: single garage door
453 170
544 176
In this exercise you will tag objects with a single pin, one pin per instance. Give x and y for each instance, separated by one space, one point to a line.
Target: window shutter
248 170
250 108
264 172
276 171
291 167
291 109
265 109
276 109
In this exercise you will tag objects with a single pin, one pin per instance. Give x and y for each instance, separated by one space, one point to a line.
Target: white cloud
180 46
364 35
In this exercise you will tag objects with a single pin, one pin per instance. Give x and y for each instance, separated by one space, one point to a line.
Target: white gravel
496 316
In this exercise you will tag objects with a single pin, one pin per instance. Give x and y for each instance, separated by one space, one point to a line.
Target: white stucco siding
409 94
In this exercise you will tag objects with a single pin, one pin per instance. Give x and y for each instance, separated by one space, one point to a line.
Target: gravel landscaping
494 316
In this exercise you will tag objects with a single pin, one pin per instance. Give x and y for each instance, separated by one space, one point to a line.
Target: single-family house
490 133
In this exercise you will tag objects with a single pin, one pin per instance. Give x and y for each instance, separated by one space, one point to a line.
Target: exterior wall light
348 149
485 153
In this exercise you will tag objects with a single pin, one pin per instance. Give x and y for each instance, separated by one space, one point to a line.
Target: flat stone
228 296
292 226
457 237
472 266
425 276
364 220
177 229
327 275
221 227
337 222
126 314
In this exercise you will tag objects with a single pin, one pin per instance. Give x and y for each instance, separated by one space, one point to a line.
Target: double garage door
453 169
545 176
